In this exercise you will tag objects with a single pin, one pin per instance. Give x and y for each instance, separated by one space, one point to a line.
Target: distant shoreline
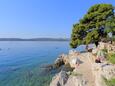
35 39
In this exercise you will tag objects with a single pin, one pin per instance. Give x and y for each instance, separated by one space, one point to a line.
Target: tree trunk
96 43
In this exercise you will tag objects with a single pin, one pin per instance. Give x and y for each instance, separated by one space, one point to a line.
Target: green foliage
111 58
99 16
104 50
113 38
110 82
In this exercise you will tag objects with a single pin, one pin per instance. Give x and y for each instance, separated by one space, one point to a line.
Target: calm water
20 62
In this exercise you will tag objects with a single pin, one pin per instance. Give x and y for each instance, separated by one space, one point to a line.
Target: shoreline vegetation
35 39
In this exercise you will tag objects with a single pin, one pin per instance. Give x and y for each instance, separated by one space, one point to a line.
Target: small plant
111 58
75 74
104 50
110 82
113 38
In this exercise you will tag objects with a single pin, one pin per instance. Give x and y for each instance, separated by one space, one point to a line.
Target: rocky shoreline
87 73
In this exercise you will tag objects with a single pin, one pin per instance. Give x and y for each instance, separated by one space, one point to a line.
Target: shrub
111 58
110 82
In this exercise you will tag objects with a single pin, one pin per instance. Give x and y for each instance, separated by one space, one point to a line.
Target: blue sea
20 61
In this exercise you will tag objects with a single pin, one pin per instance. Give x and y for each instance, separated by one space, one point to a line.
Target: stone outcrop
72 54
66 59
110 47
76 81
103 71
91 73
60 79
108 72
58 62
63 79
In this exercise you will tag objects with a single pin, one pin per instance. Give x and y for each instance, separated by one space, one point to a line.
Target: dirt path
86 69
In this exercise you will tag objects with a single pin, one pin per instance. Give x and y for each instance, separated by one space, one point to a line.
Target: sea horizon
35 39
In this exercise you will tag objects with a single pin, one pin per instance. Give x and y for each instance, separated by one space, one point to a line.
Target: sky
42 18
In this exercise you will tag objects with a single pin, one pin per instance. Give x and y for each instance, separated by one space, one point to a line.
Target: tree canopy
96 23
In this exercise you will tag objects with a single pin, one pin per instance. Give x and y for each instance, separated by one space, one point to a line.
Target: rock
96 70
102 45
67 68
60 79
75 61
58 62
108 72
65 59
102 71
73 52
61 60
72 55
94 51
110 48
76 81
93 74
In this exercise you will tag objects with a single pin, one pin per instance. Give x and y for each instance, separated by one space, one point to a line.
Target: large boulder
73 54
63 79
60 79
101 71
58 62
65 59
108 72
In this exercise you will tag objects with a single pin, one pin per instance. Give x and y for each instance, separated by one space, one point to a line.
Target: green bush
111 58
104 50
113 39
110 82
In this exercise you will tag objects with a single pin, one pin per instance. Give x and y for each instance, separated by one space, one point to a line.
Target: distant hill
35 39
